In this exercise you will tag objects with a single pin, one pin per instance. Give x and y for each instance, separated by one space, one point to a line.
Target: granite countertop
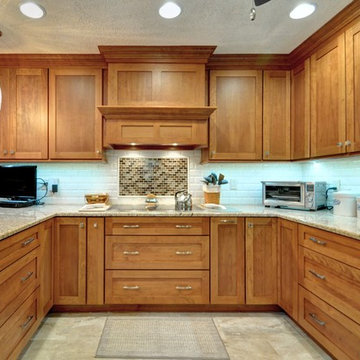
15 220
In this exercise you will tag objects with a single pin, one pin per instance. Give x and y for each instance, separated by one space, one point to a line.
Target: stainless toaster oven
294 194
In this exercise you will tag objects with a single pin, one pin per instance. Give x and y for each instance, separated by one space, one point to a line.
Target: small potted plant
211 188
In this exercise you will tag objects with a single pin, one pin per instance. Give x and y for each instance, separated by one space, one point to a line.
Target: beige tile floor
248 336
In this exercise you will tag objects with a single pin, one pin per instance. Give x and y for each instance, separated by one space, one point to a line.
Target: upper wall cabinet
353 87
24 114
75 123
300 111
156 84
236 125
276 135
328 118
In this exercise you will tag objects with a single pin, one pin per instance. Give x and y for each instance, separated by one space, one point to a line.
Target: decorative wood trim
157 54
51 60
156 112
249 62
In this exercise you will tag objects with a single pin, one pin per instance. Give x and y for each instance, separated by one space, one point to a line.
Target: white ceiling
79 26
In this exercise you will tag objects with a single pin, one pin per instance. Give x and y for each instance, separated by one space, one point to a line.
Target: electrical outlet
233 184
53 184
337 183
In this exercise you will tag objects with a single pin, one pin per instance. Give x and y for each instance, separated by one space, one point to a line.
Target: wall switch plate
233 184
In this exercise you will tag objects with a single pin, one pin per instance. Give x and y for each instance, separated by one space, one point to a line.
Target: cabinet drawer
156 287
336 332
157 252
332 280
17 282
16 246
21 324
157 226
338 247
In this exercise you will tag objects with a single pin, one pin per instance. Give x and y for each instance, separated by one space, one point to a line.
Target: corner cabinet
276 133
75 124
235 128
227 261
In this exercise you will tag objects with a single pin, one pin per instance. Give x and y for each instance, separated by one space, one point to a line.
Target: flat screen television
18 182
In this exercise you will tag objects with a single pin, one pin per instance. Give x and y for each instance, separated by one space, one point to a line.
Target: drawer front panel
156 287
157 226
334 281
21 323
157 252
339 335
18 281
338 247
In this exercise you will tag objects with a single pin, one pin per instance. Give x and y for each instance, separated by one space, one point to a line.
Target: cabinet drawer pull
131 226
82 225
27 276
250 225
27 322
131 287
188 252
130 252
228 221
316 241
314 317
27 242
188 287
183 226
322 277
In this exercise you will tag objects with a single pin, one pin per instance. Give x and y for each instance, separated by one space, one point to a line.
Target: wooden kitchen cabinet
24 114
328 115
300 111
70 261
156 84
46 235
261 260
235 130
227 261
288 267
276 118
75 124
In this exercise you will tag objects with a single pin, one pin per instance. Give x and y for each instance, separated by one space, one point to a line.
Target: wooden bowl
97 198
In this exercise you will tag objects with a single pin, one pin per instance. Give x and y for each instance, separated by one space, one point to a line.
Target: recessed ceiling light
32 10
170 10
302 10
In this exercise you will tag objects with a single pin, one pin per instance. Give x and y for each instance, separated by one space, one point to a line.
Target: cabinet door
227 261
288 271
156 84
46 267
70 261
276 135
300 111
75 123
353 88
4 113
261 261
236 125
328 99
29 114
95 261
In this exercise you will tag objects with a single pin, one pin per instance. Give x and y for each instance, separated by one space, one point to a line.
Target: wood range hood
156 97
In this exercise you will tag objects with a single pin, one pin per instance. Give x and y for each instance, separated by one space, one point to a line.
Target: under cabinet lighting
170 10
32 10
302 10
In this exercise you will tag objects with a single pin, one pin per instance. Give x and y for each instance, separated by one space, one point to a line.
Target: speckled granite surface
15 220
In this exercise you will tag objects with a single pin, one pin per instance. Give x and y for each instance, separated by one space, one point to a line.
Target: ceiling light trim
170 10
32 10
302 11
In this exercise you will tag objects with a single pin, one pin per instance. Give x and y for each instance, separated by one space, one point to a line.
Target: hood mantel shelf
156 112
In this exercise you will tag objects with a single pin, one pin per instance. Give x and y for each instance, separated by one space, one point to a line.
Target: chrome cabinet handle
316 241
82 225
183 252
322 277
188 287
339 144
125 287
27 276
251 225
213 153
183 226
5 152
12 152
27 242
27 322
130 252
96 226
131 226
347 143
98 151
318 321
266 153
228 221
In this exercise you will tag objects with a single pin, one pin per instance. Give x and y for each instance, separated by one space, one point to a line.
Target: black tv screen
18 182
